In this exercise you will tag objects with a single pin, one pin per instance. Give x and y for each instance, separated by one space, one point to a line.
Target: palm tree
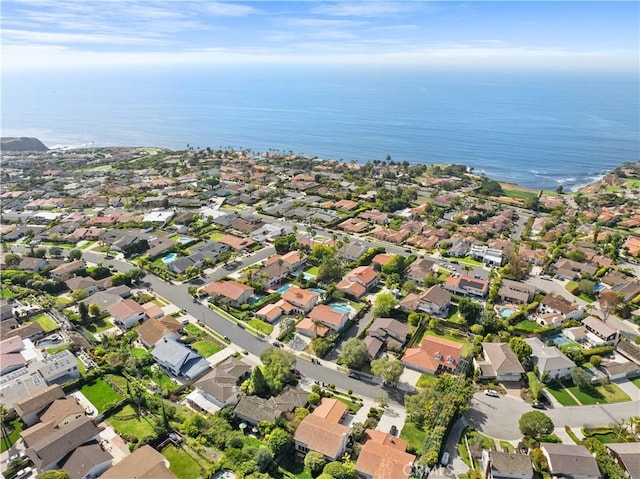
316 324
280 263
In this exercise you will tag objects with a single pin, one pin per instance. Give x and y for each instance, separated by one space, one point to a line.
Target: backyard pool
184 240
317 291
344 308
50 340
560 339
227 474
308 276
284 288
169 258
599 287
506 312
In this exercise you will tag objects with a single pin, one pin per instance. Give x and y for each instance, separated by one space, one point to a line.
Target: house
352 251
236 293
322 432
303 300
575 462
36 265
629 351
384 456
516 292
387 332
549 360
153 330
127 313
46 452
179 359
66 270
436 301
321 320
491 257
506 465
499 363
86 462
459 248
434 356
88 284
627 456
236 243
62 412
467 286
555 310
54 367
254 409
220 385
143 463
358 281
599 332
29 408
293 261
420 270
571 270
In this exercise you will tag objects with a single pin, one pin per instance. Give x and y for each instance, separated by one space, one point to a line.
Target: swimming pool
184 240
169 258
308 276
560 339
317 291
284 288
344 308
599 287
506 312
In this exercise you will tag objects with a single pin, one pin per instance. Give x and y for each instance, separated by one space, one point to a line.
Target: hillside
22 144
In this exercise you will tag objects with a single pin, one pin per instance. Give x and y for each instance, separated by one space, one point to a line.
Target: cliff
22 144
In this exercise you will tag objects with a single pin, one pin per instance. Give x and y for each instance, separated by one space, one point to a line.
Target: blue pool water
169 258
317 291
256 300
560 339
284 288
506 312
599 287
308 276
343 308
184 240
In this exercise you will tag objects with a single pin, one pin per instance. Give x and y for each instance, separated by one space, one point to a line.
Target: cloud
228 9
363 9
58 38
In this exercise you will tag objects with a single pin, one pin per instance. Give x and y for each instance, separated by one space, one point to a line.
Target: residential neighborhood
226 313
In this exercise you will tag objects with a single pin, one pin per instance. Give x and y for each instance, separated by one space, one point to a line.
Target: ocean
537 129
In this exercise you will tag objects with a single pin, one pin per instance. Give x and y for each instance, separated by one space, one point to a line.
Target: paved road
498 417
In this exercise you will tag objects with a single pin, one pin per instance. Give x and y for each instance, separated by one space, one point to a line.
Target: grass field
13 437
512 191
183 464
561 395
471 261
609 393
99 325
45 322
259 325
6 294
426 381
294 468
216 236
206 348
413 435
313 270
138 427
528 326
507 445
636 381
100 394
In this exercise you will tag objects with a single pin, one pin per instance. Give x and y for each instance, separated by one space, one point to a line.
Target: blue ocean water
537 129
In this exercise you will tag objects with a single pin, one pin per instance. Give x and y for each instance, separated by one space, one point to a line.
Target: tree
383 304
521 349
83 311
279 441
264 458
581 379
55 251
354 353
586 286
256 385
608 301
535 424
277 368
314 399
314 461
94 310
518 268
329 270
54 474
12 259
78 294
389 369
339 470
470 310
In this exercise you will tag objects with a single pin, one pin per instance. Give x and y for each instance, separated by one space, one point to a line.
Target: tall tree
608 301
535 424
389 369
521 349
354 353
383 304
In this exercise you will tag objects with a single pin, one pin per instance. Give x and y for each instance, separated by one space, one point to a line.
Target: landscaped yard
100 393
6 294
413 435
636 381
140 353
99 325
183 464
609 393
426 381
313 270
13 437
259 325
160 302
216 236
561 395
125 425
45 322
206 348
528 326
471 261
289 464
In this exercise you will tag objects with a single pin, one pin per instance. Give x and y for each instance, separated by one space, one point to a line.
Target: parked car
24 472
445 459
354 375
538 405
492 393
393 431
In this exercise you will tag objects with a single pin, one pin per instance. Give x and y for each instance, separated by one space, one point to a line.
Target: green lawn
140 353
413 435
13 437
586 298
138 427
528 326
507 445
259 325
471 261
6 294
426 381
57 349
119 381
193 329
636 381
206 348
183 464
561 395
45 322
100 394
354 407
453 314
313 270
99 325
216 236
520 194
297 469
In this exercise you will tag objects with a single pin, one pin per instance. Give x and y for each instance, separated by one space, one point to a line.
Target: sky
45 35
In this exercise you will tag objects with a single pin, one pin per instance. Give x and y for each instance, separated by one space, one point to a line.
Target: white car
492 393
445 459
24 472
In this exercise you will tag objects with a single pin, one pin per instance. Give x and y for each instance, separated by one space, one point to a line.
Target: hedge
599 351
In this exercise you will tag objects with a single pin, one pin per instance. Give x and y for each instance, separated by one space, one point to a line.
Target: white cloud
228 9
363 9
33 38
